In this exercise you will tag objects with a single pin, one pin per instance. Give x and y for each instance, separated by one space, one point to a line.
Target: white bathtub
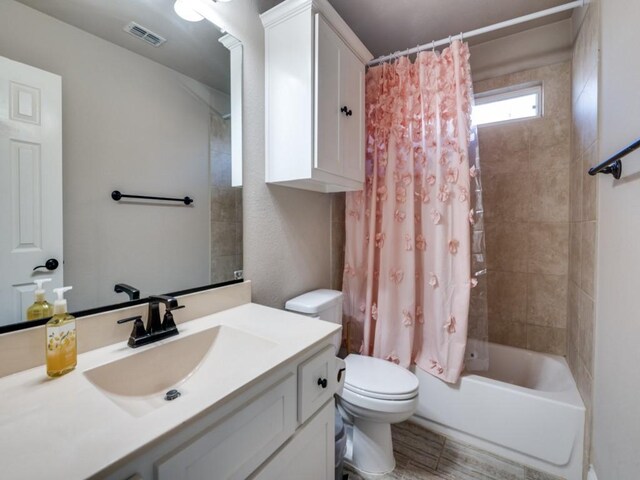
525 408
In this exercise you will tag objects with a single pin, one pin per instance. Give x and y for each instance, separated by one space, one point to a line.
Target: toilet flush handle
322 382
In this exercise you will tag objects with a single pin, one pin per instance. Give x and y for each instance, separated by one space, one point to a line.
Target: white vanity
256 401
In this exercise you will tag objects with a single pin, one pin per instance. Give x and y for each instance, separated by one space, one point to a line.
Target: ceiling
191 48
386 26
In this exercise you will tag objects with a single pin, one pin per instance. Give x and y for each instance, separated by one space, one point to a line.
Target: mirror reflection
97 97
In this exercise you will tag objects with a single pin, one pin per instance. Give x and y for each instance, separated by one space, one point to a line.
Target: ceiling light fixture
184 11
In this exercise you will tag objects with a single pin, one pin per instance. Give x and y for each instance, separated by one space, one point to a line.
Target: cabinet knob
322 382
346 111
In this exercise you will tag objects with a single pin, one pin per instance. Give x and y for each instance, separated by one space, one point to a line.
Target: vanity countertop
67 428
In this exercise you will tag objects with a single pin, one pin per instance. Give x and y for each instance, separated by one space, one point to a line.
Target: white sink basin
138 383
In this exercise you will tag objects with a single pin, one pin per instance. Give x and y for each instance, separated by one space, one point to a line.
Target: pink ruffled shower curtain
407 272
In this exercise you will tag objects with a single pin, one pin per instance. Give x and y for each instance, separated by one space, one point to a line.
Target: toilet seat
378 379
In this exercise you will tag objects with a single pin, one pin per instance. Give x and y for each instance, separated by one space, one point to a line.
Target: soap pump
61 348
40 308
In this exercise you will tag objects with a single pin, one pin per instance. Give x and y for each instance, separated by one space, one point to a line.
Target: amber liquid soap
61 347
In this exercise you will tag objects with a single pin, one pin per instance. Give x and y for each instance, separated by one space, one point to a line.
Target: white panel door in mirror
30 184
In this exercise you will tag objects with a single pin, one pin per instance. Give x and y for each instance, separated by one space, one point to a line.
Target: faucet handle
138 329
167 322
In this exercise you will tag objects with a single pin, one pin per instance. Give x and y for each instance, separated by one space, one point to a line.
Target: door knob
322 382
346 111
50 265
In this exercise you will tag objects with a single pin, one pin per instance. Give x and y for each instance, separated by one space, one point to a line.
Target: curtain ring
433 46
461 37
449 39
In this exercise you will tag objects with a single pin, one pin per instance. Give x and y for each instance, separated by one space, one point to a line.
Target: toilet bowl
376 392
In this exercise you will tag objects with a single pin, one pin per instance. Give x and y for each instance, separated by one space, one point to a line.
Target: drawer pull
322 382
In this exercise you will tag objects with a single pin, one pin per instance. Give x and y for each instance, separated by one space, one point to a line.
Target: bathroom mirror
143 105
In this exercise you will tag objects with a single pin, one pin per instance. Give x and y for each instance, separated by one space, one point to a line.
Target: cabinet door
309 455
238 444
352 136
328 48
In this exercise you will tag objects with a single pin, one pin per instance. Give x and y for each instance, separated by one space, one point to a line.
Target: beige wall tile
584 382
585 331
589 183
573 313
586 113
508 333
575 249
549 131
546 339
548 248
507 296
527 197
549 196
547 300
587 269
507 247
554 157
506 197
557 90
504 148
575 190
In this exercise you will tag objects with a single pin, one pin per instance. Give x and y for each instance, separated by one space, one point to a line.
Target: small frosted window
494 107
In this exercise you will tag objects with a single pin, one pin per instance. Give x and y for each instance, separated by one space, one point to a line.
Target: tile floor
425 455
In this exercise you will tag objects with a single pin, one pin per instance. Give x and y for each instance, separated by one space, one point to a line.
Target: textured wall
616 388
582 213
525 50
525 173
131 124
287 234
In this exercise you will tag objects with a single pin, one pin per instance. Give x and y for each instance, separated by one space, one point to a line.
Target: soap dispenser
40 308
61 348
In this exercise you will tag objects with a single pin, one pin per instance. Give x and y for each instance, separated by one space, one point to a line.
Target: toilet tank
323 304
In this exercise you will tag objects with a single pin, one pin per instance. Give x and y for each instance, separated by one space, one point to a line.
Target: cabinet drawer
316 382
239 443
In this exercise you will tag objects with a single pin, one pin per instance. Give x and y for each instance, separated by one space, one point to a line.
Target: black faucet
134 293
155 329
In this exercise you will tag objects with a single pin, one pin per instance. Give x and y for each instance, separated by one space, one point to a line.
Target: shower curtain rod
480 31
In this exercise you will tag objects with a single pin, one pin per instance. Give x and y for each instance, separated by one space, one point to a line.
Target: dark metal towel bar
614 165
116 195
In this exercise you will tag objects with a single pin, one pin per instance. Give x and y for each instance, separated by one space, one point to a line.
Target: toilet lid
373 377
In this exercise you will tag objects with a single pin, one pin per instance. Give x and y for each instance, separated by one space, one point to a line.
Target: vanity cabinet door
309 455
237 445
316 382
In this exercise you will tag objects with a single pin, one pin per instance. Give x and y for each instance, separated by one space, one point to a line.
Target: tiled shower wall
582 212
226 205
525 175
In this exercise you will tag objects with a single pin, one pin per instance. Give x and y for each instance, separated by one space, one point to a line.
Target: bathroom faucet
155 329
134 293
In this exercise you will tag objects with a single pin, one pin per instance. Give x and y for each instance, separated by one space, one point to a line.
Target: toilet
376 392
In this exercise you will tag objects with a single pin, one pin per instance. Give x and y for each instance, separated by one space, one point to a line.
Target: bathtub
525 408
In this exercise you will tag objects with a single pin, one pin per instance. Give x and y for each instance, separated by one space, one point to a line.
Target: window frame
516 91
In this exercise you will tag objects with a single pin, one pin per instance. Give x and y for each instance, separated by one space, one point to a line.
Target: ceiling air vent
144 34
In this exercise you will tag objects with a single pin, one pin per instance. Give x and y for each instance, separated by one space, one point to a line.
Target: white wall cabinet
315 67
261 433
